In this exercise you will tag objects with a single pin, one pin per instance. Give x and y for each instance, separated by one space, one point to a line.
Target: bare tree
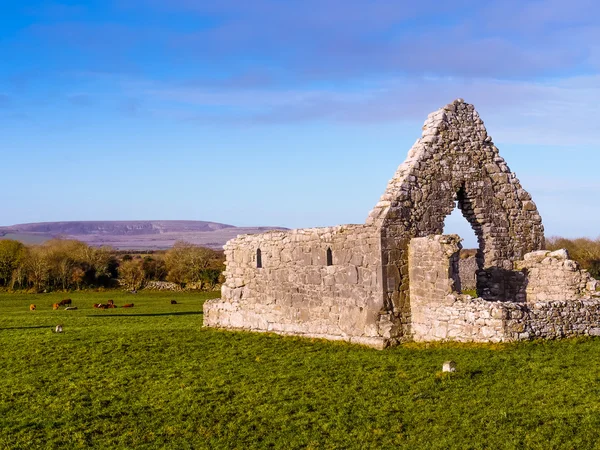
186 263
38 268
131 274
11 257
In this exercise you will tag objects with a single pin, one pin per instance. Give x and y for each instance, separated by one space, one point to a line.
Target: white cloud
551 112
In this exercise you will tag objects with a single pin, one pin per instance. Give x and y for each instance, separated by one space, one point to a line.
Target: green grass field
152 377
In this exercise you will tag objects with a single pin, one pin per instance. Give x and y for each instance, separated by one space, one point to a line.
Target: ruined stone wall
541 276
455 160
552 276
551 319
468 272
297 292
465 319
562 299
439 312
499 284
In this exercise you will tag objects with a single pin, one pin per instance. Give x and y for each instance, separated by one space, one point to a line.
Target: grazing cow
58 329
32 307
128 305
66 301
100 306
173 302
55 306
111 304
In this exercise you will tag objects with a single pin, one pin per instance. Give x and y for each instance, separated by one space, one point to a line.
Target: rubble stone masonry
562 299
297 292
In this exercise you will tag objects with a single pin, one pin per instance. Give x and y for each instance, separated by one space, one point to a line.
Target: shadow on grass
187 313
26 328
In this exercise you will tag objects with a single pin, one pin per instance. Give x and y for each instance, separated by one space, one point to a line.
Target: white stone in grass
449 366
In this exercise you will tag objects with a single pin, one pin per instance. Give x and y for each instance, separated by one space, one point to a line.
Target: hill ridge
131 234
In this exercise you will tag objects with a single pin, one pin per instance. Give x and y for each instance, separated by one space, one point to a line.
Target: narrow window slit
329 257
258 259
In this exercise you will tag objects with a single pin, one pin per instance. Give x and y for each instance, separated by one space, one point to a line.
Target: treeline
185 264
583 250
67 264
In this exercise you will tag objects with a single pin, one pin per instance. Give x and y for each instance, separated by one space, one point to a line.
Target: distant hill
131 235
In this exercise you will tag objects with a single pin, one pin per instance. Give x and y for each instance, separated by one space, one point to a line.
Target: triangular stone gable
453 161
455 130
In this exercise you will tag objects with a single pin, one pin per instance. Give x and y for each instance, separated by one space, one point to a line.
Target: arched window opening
329 257
456 223
258 259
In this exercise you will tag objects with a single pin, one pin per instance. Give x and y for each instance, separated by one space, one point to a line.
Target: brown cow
66 301
55 306
32 307
128 305
111 304
100 306
173 302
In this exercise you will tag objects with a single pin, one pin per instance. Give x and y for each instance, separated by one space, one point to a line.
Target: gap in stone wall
456 223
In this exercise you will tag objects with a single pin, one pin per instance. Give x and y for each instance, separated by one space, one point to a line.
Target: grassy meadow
152 377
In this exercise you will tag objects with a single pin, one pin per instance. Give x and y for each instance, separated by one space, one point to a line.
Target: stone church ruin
396 278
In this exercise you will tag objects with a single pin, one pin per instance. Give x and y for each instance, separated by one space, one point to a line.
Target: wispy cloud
549 112
53 10
80 99
131 106
5 101
338 40
333 39
531 68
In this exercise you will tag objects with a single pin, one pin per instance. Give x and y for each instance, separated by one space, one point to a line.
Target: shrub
583 250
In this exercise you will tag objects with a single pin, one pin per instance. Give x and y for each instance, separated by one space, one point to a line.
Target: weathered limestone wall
438 311
562 299
540 276
455 160
551 319
552 276
468 272
296 292
499 284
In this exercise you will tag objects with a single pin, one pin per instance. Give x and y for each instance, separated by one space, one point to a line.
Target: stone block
449 366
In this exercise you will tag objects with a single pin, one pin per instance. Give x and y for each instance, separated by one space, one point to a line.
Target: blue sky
290 113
